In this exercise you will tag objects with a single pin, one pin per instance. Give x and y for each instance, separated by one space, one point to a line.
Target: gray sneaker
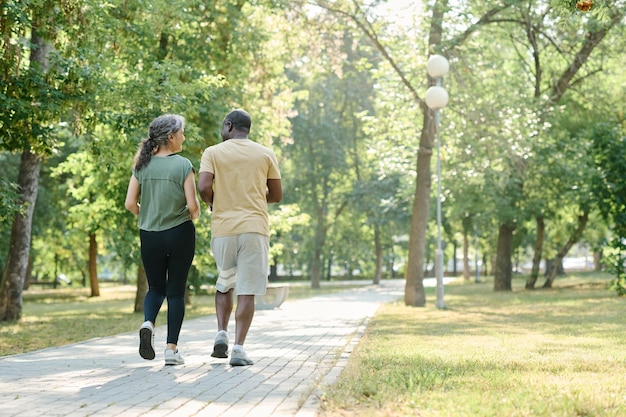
239 358
220 348
173 358
146 341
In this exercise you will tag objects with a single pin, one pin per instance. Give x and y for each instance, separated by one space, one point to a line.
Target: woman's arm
191 196
205 186
132 196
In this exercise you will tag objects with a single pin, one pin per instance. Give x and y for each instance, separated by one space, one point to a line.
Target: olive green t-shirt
162 196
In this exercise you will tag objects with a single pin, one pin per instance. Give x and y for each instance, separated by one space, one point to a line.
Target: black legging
167 257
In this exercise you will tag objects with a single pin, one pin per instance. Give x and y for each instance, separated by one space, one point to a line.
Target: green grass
69 315
558 352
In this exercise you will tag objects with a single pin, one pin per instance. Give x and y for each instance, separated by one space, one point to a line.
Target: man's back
241 169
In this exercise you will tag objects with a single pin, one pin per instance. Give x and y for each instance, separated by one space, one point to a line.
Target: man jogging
237 179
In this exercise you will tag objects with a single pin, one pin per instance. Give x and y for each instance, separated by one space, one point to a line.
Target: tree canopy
337 89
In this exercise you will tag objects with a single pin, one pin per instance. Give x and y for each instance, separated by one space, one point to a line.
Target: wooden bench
273 298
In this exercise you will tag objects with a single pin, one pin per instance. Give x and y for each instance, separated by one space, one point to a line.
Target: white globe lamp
437 66
436 97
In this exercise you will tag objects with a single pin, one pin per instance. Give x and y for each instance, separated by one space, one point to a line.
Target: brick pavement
298 349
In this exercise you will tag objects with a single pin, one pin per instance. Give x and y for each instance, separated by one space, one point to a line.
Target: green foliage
600 9
609 153
283 220
144 62
36 97
9 201
614 260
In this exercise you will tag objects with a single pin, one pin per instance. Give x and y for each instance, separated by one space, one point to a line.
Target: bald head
240 119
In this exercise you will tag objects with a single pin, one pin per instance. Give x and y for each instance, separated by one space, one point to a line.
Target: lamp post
437 98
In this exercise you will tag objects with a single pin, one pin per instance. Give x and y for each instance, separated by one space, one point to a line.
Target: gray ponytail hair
158 135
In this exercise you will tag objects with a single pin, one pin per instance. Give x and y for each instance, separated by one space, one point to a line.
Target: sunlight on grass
552 352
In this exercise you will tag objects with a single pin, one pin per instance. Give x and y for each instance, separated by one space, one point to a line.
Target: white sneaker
146 340
173 358
239 358
220 348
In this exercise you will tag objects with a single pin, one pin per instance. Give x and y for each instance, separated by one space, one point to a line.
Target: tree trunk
597 261
534 273
273 270
455 270
273 276
558 260
318 247
549 263
466 262
486 265
142 288
503 271
329 267
93 266
316 268
19 247
187 296
555 264
28 277
378 247
414 294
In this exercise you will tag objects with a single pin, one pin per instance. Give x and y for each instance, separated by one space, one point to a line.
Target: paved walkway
297 349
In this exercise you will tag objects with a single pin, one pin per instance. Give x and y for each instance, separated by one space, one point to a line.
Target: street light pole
439 253
437 98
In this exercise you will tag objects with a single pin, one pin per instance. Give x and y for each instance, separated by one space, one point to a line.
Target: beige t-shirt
241 169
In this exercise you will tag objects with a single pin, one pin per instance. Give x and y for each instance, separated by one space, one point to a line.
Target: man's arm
274 191
205 187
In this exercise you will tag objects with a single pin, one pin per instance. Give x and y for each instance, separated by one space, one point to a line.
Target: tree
358 15
609 154
581 53
549 59
30 129
320 146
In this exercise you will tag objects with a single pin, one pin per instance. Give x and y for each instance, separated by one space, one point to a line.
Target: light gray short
242 263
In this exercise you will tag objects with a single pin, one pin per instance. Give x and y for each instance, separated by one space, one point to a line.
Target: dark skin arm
274 191
205 187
